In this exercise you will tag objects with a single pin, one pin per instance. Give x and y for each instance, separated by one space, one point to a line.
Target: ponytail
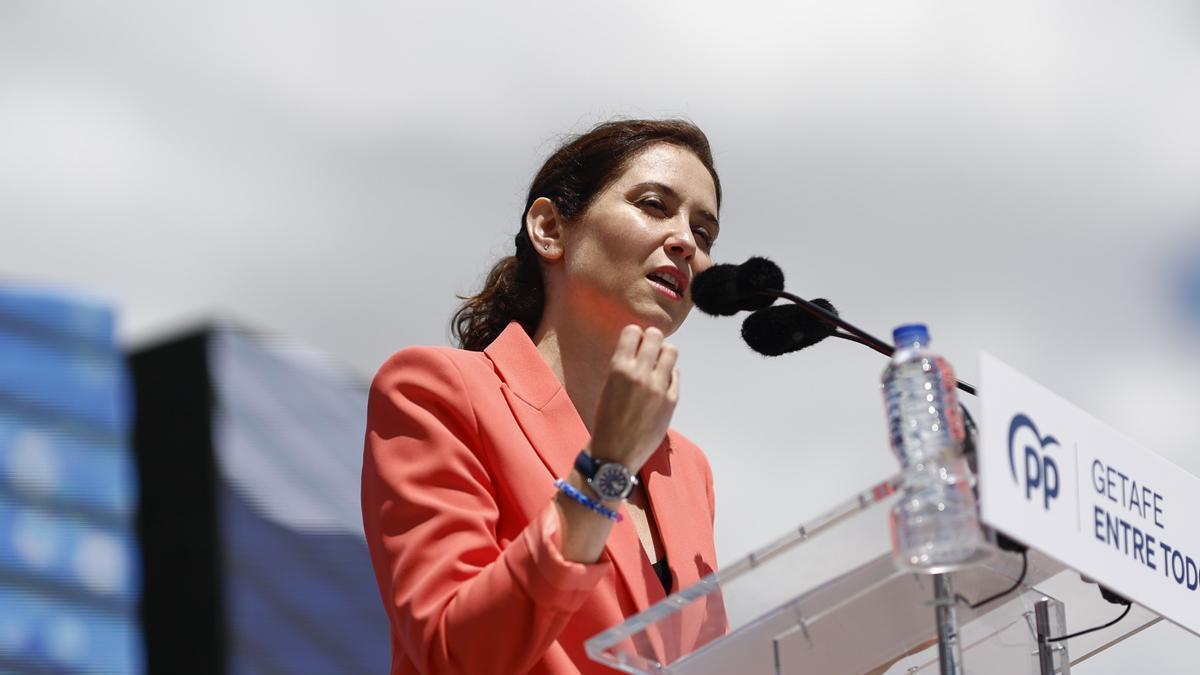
512 292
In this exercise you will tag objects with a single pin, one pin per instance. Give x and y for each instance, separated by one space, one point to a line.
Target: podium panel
827 598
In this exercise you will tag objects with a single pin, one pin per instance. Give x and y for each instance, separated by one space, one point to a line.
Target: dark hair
572 177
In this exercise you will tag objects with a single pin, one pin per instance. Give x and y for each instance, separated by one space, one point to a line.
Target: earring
545 246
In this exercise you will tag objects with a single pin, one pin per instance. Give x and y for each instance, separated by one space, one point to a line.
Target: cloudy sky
1023 176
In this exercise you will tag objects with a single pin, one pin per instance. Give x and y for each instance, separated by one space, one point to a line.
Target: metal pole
1041 615
949 648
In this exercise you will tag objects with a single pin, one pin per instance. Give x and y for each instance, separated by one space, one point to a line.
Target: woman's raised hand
638 399
632 416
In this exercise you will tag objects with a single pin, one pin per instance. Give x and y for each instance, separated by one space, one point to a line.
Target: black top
664 574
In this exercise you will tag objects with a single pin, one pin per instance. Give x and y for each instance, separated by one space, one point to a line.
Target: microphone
782 329
725 289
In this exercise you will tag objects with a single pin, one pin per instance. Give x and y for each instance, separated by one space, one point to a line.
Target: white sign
1061 481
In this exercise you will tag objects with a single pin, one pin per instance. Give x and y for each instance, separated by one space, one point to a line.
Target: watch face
612 481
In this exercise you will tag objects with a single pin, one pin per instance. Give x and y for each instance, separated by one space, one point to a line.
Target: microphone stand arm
853 333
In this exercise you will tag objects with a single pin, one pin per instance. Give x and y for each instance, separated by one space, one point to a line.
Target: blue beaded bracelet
570 491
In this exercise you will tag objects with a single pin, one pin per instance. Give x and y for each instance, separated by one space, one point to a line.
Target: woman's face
631 257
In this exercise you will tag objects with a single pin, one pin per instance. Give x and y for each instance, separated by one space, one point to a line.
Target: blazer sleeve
456 600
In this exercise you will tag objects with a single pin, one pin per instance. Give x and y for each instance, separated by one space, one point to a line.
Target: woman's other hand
638 399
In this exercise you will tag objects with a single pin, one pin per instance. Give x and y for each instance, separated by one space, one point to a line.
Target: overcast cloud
1023 176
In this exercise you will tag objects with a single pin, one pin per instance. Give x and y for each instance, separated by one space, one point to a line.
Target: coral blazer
462 449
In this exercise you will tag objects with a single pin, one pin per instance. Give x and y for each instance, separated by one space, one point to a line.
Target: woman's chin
647 315
661 319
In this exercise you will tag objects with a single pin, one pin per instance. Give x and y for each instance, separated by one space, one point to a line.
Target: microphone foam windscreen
754 275
774 331
715 292
825 329
724 290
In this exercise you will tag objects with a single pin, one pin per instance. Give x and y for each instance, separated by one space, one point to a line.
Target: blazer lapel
553 427
538 401
665 494
681 531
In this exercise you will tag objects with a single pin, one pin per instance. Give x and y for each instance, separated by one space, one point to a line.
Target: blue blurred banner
299 592
69 563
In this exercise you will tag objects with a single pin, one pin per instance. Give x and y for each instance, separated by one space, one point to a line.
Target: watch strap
588 466
585 464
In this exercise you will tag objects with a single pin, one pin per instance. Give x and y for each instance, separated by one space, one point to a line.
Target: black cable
976 605
853 333
852 338
1128 606
969 424
831 318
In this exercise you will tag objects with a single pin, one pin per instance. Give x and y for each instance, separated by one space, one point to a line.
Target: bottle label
950 401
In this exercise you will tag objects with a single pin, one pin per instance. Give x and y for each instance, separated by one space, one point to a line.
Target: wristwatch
611 480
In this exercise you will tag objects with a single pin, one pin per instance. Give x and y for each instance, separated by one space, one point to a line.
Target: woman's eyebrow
670 192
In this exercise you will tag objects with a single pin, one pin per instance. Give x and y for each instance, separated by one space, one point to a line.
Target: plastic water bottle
919 393
935 523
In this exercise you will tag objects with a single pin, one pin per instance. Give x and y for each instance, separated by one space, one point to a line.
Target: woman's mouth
666 284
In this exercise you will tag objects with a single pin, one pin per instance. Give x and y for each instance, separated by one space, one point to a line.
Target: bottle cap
910 333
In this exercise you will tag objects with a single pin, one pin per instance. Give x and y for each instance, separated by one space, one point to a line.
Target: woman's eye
653 203
705 236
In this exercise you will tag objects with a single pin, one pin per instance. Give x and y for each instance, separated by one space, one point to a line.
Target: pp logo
1040 470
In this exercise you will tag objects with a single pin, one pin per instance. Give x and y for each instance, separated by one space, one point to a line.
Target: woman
485 563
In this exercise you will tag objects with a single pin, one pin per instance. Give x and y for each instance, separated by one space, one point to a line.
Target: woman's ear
544 226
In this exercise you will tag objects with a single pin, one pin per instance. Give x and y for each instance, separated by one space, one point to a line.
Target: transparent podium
827 599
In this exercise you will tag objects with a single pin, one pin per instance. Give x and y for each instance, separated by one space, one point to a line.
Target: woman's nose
681 241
